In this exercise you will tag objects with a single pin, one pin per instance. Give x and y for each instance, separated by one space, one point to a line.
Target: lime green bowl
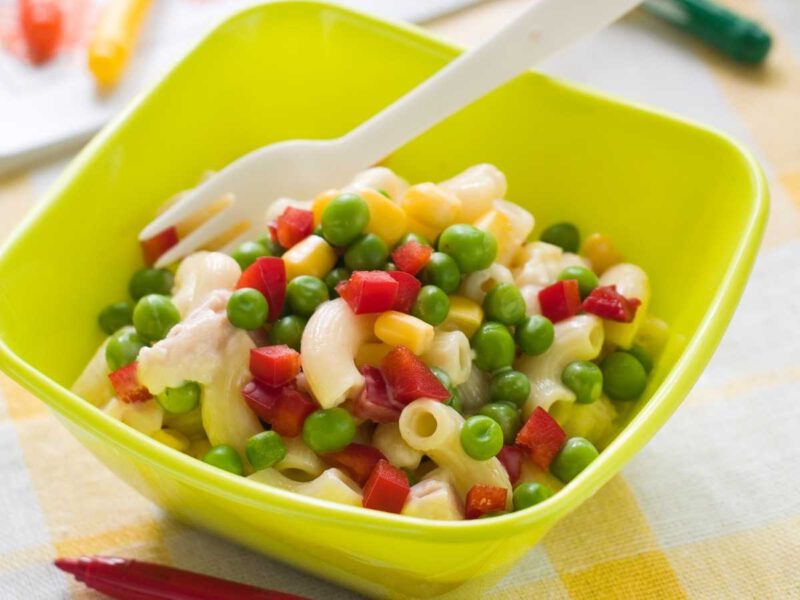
685 203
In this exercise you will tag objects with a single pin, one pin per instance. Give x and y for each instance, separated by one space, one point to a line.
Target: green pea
247 309
563 235
587 280
344 218
226 458
367 253
534 335
624 377
643 357
305 293
585 379
150 281
154 316
529 494
248 252
504 303
334 278
389 266
413 237
471 248
493 346
507 416
318 231
510 386
123 348
329 430
287 330
431 305
180 400
442 271
573 458
481 437
453 401
273 247
115 316
265 449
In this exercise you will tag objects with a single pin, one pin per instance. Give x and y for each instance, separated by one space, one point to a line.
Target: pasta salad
400 348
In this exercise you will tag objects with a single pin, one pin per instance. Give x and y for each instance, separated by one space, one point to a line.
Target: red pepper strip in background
484 499
408 287
272 227
274 366
357 460
542 436
268 276
386 489
154 247
369 291
294 225
409 378
560 300
127 385
511 458
41 22
375 403
608 303
412 256
285 409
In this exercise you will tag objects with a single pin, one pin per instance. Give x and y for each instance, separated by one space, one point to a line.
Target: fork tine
200 236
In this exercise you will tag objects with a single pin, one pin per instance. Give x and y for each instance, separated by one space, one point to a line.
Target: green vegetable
367 253
453 401
334 278
530 494
624 377
273 247
506 415
585 379
150 281
305 293
471 248
180 400
587 280
510 386
115 316
329 430
481 437
413 237
643 357
573 458
247 309
494 347
154 316
441 271
504 303
123 348
287 330
265 449
390 266
344 218
563 235
226 458
248 252
431 305
534 335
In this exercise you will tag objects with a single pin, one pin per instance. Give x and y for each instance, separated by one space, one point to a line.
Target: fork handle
539 32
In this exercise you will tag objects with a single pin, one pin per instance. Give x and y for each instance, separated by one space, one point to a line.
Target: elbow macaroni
381 178
631 282
476 285
477 188
300 463
93 384
450 351
433 499
388 440
199 275
332 485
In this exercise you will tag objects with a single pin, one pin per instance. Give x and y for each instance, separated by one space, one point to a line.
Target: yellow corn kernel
172 438
499 225
386 219
372 353
426 231
199 448
601 252
312 256
319 204
464 315
431 205
399 329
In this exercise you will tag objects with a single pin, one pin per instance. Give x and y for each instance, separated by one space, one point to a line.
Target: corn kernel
465 315
399 329
386 219
372 354
172 438
431 205
428 232
499 225
319 204
311 256
601 252
199 448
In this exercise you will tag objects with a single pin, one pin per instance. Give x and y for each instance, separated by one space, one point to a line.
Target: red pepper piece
272 227
386 489
375 403
285 408
484 499
412 256
408 287
542 436
511 458
357 460
127 385
294 225
268 276
42 23
608 303
274 366
154 247
561 300
369 291
409 378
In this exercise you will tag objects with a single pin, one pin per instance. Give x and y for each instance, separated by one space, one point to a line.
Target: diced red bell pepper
274 366
268 276
369 291
511 458
375 403
412 256
561 300
154 247
357 460
606 302
386 489
408 287
542 436
285 408
41 22
127 385
294 225
484 499
272 227
409 378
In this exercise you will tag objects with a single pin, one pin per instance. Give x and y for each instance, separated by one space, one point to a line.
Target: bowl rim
663 402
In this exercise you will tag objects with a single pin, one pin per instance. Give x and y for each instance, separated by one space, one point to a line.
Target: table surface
709 509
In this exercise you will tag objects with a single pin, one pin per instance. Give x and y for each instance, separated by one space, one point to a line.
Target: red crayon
126 579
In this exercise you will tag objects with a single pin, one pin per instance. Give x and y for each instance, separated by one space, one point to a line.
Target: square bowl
685 203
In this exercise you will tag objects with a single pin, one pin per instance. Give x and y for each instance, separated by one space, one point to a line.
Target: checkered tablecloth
709 509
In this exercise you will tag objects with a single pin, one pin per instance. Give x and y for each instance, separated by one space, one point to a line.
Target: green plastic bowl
685 203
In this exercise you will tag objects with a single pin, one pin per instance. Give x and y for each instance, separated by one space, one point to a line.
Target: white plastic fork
301 168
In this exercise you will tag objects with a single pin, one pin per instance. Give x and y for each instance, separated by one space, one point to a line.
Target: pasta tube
332 485
477 188
433 499
200 274
388 440
450 351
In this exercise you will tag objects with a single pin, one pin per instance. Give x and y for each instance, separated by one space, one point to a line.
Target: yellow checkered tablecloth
709 509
